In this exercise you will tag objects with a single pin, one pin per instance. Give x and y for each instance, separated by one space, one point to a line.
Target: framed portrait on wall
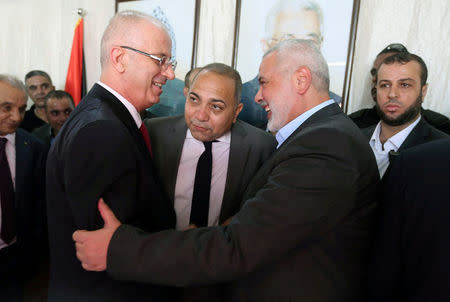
330 25
181 19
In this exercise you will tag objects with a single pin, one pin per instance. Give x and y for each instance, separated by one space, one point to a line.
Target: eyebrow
213 100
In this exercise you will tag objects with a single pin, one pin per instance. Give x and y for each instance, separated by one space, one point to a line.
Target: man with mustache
304 228
103 150
401 85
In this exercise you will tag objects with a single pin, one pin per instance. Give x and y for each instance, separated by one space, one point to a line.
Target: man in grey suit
304 228
401 86
212 107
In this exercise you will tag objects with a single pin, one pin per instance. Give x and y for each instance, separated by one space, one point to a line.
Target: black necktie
202 186
8 227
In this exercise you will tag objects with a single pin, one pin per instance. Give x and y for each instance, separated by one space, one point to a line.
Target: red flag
76 79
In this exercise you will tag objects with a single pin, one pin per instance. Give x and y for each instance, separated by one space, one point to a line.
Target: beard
279 117
410 113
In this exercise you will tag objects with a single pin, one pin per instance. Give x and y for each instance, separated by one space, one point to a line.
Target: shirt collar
290 127
11 138
396 140
225 138
131 109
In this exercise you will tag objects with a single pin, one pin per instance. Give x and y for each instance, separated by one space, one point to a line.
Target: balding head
136 58
121 30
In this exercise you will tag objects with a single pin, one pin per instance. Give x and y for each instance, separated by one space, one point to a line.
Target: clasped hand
92 246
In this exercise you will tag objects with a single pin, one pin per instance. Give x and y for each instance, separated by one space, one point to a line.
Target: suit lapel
239 152
417 136
22 157
177 135
122 113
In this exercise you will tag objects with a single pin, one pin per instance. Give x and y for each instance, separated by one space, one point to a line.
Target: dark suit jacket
44 133
421 133
249 148
302 233
411 256
29 205
99 152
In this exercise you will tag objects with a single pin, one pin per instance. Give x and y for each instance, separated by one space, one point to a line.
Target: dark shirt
31 121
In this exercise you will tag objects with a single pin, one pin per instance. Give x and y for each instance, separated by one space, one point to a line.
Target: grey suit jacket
249 148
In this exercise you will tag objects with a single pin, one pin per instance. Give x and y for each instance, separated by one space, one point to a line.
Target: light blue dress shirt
290 127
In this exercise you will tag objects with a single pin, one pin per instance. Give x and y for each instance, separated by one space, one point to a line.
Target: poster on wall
328 24
181 20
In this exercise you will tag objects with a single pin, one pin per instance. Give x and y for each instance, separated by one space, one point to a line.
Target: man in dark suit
304 228
367 117
410 260
401 86
238 152
104 150
22 158
58 106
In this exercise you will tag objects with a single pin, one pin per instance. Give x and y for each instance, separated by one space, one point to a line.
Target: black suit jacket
410 259
303 232
99 152
421 133
44 133
31 241
249 148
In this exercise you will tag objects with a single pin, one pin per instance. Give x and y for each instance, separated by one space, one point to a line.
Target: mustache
197 123
393 101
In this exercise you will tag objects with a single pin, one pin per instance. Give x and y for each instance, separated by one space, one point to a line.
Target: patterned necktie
202 187
8 226
146 138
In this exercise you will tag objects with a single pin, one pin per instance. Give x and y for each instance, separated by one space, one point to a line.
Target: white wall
37 34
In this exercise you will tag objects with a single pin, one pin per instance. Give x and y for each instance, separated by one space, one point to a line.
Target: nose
202 114
258 96
169 73
393 92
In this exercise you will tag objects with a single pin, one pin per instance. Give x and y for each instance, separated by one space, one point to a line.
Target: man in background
58 106
367 117
305 224
104 150
38 84
22 163
288 19
401 86
237 149
210 137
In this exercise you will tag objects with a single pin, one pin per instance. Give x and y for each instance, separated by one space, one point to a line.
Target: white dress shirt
184 188
131 109
393 143
10 149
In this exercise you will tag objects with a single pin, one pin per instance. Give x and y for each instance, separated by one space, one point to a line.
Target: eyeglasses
395 47
163 61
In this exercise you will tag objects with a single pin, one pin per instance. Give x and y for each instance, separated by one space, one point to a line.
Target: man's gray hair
294 53
290 6
116 28
14 82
